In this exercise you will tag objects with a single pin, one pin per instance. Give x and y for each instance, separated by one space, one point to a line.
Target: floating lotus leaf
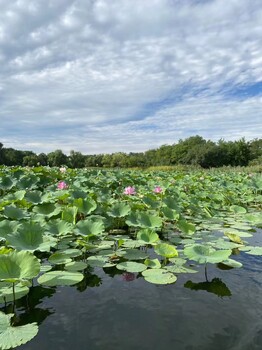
159 276
132 254
153 263
99 261
133 243
179 269
60 278
64 256
204 254
29 236
11 337
119 210
222 244
6 292
234 238
166 250
241 234
90 227
253 218
85 206
17 266
238 209
148 236
45 267
131 266
75 266
231 263
254 250
133 219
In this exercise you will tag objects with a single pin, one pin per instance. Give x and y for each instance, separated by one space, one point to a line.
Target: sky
105 76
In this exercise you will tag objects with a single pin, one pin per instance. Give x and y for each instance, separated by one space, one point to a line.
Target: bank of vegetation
194 151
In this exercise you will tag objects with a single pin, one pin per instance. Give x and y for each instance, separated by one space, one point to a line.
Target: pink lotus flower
129 190
62 185
158 189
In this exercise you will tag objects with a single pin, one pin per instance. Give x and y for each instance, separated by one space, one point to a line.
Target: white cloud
125 75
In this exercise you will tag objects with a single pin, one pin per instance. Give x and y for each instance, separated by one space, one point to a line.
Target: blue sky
100 76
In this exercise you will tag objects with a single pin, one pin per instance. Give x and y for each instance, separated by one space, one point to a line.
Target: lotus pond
130 259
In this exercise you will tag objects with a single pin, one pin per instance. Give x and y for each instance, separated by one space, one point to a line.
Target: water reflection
216 286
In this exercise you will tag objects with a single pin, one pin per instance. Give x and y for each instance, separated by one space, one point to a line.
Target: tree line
194 150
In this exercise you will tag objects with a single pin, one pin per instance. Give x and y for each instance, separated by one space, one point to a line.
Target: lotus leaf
159 276
14 213
60 278
85 206
29 236
204 254
119 210
75 266
148 236
17 266
6 292
166 250
132 254
11 337
90 227
131 266
153 263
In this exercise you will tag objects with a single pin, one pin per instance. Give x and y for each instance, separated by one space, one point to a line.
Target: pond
116 310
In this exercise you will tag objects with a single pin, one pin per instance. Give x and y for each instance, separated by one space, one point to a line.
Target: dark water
113 313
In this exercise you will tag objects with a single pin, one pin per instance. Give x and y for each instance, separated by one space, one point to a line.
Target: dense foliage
58 226
192 151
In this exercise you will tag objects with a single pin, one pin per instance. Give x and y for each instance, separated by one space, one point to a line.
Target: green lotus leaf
29 236
11 337
85 206
90 227
7 227
60 278
27 182
133 219
47 209
231 263
166 250
6 292
172 203
159 276
119 210
234 238
75 266
170 214
45 267
178 261
6 182
222 244
133 243
179 269
132 254
238 209
131 266
59 227
204 254
64 256
185 227
254 250
153 263
69 214
17 266
239 233
34 197
151 202
148 236
253 218
97 261
149 221
14 213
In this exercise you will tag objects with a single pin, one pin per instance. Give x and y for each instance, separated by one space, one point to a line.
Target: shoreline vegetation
195 152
